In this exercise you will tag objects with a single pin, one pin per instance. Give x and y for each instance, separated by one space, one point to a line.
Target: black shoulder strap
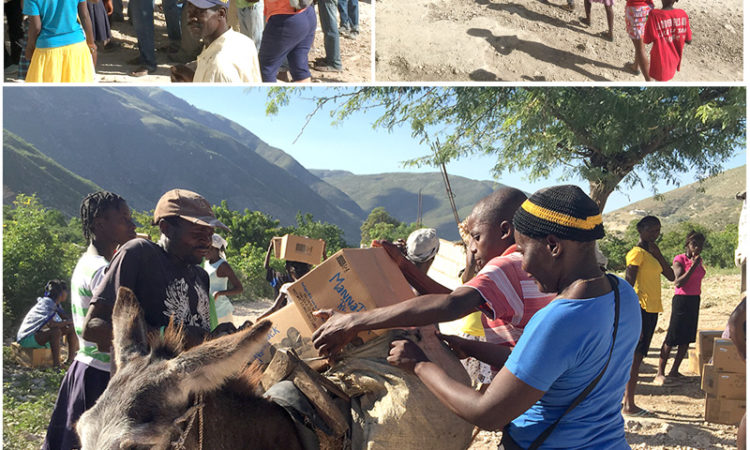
613 281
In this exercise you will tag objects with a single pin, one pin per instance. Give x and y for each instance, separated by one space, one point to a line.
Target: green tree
33 254
381 225
602 135
247 227
332 234
143 224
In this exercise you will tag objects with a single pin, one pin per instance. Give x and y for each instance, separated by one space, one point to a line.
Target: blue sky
356 147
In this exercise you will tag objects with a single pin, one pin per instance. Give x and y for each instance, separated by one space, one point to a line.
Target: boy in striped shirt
106 223
501 290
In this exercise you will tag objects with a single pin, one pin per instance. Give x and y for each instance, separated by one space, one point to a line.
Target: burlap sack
393 409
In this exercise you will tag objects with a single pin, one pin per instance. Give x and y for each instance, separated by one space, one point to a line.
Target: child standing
57 47
645 265
669 29
636 14
683 323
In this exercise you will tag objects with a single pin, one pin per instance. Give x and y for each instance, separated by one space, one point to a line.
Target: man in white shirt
227 56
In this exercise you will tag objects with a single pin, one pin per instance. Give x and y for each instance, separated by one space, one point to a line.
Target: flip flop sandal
643 413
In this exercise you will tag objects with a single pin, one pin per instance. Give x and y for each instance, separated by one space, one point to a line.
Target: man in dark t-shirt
164 275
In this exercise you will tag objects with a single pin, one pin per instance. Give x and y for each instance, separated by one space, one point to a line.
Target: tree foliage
37 247
605 136
381 225
332 234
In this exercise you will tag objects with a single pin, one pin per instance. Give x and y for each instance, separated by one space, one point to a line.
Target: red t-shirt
668 30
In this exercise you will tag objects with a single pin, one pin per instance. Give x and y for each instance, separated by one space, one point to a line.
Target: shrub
33 253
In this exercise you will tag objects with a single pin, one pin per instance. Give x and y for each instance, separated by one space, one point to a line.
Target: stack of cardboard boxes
703 351
723 381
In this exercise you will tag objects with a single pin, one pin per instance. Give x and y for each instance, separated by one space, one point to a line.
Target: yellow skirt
67 64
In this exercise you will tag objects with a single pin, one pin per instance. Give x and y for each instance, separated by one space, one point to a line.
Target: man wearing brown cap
164 276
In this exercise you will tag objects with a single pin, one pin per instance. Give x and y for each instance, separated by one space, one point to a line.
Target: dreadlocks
93 206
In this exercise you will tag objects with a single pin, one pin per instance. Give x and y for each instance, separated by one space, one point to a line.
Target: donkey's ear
128 328
207 366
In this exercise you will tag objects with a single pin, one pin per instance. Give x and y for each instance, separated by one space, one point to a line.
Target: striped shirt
511 297
86 275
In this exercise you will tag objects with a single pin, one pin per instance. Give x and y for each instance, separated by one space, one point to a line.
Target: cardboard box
297 248
723 384
705 343
32 357
352 280
450 259
726 358
694 365
708 376
289 330
722 410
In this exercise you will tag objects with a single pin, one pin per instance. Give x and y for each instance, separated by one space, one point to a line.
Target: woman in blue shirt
57 47
582 341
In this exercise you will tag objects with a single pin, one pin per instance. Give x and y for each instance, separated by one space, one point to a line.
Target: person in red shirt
668 29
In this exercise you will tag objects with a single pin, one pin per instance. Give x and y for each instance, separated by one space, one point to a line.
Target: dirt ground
531 40
679 407
112 66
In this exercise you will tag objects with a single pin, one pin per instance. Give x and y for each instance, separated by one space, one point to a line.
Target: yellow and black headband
563 211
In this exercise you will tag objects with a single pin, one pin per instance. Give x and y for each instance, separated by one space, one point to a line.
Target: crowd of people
60 43
559 343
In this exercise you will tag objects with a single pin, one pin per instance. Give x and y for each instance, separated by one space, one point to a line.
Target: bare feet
606 35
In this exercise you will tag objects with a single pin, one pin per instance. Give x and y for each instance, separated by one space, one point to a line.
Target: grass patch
28 398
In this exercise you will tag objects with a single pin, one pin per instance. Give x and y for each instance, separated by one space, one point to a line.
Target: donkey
161 397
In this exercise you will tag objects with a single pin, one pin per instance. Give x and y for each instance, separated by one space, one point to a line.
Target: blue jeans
251 22
143 22
327 11
287 36
173 15
349 14
117 11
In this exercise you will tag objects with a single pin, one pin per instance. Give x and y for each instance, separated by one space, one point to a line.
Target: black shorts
648 325
79 390
683 323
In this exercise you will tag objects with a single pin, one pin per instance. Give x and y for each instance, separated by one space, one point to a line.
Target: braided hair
93 206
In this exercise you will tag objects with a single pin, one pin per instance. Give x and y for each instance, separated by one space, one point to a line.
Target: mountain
398 193
271 154
24 165
141 142
711 203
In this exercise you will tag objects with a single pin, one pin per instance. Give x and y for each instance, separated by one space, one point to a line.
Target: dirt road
531 40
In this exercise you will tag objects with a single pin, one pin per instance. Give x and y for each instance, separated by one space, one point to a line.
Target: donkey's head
148 396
